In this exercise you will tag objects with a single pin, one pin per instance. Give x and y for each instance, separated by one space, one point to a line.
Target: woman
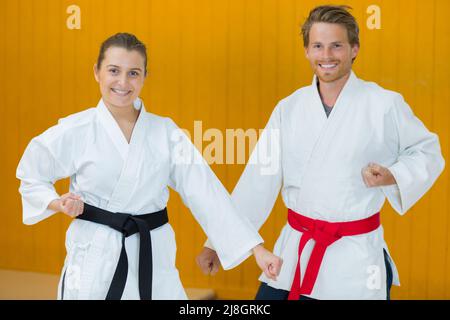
121 161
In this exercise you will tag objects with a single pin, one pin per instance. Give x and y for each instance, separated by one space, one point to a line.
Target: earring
137 103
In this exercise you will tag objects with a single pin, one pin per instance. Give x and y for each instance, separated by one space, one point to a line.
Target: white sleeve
232 235
259 185
419 161
44 161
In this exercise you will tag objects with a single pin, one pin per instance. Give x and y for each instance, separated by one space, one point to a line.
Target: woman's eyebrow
113 65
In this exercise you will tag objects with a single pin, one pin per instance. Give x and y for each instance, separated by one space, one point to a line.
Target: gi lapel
112 128
132 155
343 105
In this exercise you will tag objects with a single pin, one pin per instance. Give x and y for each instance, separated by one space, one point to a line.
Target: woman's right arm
46 159
69 204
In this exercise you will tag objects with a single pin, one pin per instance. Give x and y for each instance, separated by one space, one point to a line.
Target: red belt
324 233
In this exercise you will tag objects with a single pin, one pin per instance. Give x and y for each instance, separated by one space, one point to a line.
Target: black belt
128 225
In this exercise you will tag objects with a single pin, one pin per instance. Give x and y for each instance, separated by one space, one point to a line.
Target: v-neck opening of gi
132 130
339 98
114 130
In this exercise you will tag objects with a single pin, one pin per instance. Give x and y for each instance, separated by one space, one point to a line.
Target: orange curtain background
226 63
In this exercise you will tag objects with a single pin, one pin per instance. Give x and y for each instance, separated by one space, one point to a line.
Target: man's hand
269 263
208 261
375 175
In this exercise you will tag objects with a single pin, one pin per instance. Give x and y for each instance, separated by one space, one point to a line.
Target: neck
128 113
329 91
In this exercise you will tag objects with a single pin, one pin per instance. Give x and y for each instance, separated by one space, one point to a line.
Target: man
343 146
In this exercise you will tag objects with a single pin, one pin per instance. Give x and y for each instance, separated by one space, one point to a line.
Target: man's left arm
419 161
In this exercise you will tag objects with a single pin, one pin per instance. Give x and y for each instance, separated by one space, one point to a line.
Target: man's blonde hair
332 14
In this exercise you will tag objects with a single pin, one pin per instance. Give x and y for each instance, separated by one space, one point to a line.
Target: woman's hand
69 203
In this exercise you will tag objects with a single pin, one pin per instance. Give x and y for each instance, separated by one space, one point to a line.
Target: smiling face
121 76
329 51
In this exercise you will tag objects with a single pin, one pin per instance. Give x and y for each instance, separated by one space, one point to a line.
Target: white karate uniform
133 178
317 162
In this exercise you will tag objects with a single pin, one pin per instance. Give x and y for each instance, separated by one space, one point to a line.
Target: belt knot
129 226
324 232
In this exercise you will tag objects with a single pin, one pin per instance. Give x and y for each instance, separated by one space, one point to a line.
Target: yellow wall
227 63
